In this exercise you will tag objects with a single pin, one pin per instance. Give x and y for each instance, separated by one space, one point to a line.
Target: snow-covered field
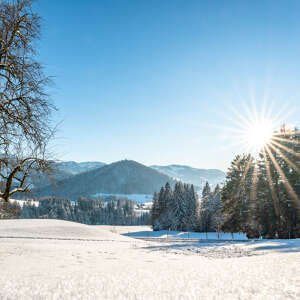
50 259
146 232
138 198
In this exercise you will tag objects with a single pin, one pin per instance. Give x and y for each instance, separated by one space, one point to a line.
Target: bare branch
25 107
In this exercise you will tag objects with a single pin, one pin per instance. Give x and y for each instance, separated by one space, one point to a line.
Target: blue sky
157 81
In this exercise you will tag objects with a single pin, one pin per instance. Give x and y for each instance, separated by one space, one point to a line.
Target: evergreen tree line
210 213
85 210
180 209
261 196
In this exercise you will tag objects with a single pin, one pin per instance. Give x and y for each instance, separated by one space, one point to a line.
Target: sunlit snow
50 259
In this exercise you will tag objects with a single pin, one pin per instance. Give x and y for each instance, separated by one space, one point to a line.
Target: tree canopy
25 107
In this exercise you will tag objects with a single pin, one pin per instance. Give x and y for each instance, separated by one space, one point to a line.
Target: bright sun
258 134
253 129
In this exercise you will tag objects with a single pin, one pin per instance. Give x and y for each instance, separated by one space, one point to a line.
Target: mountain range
190 175
74 168
63 170
72 179
123 177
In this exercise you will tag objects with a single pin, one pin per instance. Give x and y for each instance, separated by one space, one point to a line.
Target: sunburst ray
285 148
286 183
284 140
270 182
285 158
245 173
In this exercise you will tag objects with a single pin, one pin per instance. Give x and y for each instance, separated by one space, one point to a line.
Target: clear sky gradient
157 81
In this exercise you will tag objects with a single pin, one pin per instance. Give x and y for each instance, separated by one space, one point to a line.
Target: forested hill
123 177
63 170
75 168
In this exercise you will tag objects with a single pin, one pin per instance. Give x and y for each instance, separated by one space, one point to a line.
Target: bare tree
25 107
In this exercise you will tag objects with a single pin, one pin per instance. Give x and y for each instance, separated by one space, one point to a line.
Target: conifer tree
206 190
178 208
155 211
236 194
262 199
192 209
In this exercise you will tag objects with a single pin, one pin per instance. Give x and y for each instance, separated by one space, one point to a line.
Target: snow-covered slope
94 263
195 176
52 229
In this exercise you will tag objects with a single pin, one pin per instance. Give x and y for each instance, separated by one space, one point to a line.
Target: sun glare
258 134
254 129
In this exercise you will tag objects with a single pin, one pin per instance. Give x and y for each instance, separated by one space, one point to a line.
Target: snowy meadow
51 259
160 156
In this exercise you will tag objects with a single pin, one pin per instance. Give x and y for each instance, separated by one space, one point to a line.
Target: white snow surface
148 233
138 198
22 202
51 259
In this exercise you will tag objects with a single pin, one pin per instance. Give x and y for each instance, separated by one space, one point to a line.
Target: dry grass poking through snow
50 259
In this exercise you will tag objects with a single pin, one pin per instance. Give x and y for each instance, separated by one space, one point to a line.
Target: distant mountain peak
122 177
74 168
191 175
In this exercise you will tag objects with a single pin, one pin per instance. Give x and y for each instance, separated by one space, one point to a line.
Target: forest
85 210
260 196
